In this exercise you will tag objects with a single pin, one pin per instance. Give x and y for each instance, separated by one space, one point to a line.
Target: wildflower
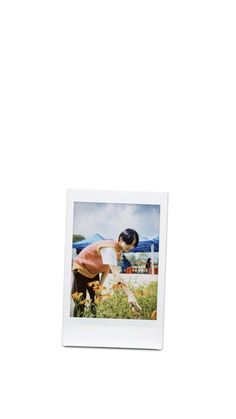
154 315
119 286
93 284
76 296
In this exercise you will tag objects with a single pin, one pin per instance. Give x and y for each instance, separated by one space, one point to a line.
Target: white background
124 95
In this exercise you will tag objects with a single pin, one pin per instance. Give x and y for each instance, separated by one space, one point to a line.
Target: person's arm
131 298
103 277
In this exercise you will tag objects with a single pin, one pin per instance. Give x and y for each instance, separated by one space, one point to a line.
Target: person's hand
134 303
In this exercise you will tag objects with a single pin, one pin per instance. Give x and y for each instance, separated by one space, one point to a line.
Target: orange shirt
89 262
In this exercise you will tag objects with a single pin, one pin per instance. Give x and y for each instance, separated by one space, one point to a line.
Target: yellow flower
154 315
119 286
93 284
76 296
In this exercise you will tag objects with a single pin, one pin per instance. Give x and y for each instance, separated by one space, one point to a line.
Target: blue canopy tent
146 246
83 243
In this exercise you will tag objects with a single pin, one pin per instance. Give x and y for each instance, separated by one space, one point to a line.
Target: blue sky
110 219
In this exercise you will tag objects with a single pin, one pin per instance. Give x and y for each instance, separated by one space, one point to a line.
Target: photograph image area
115 257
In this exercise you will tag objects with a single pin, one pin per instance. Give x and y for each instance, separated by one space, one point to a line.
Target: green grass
117 306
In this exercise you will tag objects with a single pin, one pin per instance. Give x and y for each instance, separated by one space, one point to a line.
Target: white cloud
110 219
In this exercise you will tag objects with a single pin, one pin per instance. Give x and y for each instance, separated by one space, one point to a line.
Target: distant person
148 265
101 257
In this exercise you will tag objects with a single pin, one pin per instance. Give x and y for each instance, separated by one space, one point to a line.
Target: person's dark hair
129 235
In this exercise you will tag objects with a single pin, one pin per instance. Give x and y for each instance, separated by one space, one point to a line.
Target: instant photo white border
114 333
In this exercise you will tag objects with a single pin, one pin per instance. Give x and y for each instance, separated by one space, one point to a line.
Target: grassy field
115 305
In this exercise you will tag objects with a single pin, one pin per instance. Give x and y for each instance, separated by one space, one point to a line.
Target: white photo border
114 333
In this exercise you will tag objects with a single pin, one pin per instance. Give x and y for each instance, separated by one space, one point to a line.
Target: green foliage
131 258
77 238
117 306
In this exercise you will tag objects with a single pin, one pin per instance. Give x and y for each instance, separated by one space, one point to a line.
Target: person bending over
101 257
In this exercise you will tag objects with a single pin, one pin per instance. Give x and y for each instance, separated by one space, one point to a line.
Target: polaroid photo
115 259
